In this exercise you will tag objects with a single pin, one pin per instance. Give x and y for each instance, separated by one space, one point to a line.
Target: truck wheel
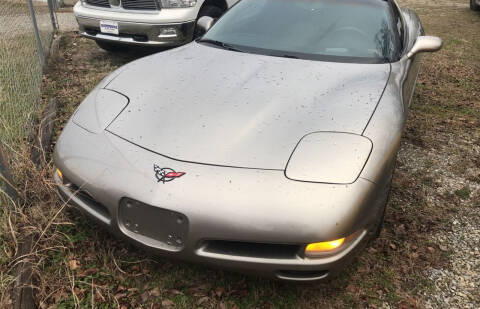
111 47
208 10
474 6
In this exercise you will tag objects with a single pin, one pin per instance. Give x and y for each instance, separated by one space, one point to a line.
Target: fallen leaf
73 264
204 287
372 250
120 295
155 292
175 292
203 300
79 292
58 296
351 288
90 271
219 291
400 230
167 303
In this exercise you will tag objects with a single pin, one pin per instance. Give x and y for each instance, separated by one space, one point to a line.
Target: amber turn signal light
60 175
319 248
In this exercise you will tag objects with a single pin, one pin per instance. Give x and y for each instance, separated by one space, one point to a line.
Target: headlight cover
329 157
168 4
99 109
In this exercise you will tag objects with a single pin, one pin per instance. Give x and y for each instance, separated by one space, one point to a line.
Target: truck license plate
107 26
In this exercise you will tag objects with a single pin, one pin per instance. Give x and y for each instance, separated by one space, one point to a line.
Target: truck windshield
331 30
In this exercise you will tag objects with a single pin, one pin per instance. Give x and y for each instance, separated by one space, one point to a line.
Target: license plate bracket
157 226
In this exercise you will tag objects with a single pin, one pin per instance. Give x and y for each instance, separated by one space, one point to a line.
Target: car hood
208 105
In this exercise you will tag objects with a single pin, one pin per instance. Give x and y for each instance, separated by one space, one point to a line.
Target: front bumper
138 33
254 221
138 28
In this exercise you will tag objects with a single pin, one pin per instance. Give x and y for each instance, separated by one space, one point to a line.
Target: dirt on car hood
208 105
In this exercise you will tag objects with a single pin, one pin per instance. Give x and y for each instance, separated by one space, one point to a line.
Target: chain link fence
26 32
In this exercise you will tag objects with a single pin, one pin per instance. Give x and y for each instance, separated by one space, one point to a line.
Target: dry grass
30 216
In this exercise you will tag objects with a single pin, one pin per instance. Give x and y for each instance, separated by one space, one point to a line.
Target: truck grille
101 3
139 4
148 5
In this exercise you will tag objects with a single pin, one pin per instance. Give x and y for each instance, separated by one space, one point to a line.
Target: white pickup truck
113 23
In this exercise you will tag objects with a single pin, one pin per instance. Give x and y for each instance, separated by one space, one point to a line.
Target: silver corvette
266 146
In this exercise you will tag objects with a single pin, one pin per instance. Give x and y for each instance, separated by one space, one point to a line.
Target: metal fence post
37 34
51 7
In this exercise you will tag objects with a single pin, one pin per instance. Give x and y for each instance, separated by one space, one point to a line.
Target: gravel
458 284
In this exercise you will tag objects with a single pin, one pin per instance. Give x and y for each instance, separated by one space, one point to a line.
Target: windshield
335 30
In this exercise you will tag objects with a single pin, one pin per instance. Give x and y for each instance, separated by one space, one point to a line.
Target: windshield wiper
220 44
289 56
284 56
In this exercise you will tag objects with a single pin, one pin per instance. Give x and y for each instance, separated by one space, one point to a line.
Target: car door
411 28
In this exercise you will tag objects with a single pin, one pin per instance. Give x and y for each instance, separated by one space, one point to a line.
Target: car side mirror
425 44
205 23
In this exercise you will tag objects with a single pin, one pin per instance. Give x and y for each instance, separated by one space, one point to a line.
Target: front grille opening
89 201
140 37
100 3
148 5
139 4
250 249
303 274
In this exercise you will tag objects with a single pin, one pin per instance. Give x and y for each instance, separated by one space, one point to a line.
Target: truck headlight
178 3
